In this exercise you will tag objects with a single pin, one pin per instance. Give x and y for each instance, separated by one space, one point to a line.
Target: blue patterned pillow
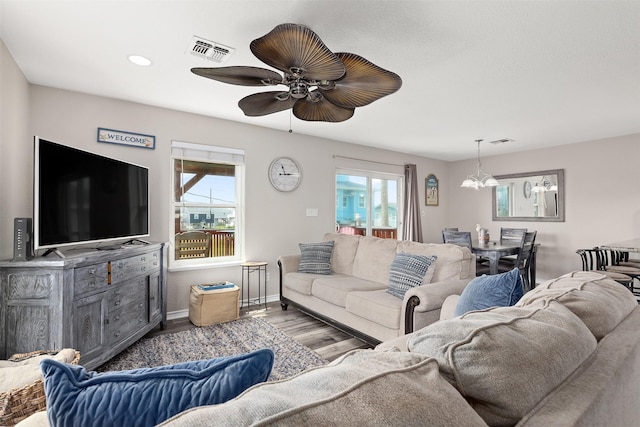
315 257
148 396
408 271
497 290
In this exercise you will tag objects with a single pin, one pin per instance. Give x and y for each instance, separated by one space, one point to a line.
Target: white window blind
209 153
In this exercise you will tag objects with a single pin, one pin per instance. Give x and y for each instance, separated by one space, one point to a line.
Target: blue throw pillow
315 258
408 271
147 396
498 290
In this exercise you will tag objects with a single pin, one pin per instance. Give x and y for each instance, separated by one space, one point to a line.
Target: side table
252 267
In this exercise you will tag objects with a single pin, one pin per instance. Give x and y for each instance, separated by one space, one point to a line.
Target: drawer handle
143 268
143 258
116 334
117 303
92 284
117 318
92 271
151 298
140 305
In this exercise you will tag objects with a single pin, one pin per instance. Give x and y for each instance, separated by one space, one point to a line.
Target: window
207 205
370 203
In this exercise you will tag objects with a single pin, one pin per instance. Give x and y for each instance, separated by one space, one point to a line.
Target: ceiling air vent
212 51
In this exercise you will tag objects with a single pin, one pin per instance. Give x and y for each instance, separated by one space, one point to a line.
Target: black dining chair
523 259
511 233
590 262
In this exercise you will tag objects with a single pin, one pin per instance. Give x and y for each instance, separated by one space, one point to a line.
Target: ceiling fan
322 85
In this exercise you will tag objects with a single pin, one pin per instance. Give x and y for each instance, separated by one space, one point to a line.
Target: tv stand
54 251
97 302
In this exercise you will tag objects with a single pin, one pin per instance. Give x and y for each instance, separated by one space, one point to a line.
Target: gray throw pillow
408 271
315 258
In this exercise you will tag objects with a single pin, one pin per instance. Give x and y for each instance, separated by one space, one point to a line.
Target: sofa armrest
288 263
449 307
422 304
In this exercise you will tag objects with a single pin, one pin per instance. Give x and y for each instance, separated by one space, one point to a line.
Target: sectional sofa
352 293
567 354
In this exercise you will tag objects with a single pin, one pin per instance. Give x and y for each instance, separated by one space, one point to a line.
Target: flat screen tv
81 197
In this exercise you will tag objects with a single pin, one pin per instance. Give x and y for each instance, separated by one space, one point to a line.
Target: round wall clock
526 189
285 174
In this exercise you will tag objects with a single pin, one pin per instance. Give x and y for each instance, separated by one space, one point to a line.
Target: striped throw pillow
408 271
315 258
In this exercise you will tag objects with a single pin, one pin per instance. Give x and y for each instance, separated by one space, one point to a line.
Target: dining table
493 250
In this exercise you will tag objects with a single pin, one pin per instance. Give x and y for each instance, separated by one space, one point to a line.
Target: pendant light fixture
481 179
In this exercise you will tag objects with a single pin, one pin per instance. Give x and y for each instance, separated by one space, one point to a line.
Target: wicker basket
19 403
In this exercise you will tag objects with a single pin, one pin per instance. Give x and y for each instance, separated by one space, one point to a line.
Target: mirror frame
558 218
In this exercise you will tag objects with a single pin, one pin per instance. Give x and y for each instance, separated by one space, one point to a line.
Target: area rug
224 339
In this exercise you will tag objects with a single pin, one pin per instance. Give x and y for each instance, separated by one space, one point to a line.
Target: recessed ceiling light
140 60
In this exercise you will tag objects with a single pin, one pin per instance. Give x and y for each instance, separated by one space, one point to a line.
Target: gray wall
603 198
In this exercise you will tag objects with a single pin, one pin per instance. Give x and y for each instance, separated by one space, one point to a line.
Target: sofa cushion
408 271
379 307
373 259
148 396
497 290
344 252
315 258
336 289
505 360
361 386
599 302
454 262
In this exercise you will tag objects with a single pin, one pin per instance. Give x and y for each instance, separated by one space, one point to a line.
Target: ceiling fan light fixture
343 81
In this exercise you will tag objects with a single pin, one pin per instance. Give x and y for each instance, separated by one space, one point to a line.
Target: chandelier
481 179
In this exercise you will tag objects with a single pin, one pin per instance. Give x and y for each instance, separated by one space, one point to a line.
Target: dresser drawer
90 278
126 320
126 268
129 293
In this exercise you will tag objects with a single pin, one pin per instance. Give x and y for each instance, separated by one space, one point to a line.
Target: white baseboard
181 314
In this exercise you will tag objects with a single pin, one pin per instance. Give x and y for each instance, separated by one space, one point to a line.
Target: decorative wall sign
431 190
126 138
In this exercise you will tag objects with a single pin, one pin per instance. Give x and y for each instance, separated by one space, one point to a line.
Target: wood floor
328 342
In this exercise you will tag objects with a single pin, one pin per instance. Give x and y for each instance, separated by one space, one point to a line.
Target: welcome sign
112 136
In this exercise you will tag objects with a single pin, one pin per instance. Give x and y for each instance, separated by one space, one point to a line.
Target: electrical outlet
312 212
268 277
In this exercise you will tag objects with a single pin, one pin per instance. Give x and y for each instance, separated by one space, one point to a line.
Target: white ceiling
543 73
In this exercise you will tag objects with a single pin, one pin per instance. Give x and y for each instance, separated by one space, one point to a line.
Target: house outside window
370 203
207 205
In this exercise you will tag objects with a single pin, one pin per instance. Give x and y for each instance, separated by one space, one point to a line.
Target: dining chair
610 261
460 238
523 259
448 229
590 262
511 233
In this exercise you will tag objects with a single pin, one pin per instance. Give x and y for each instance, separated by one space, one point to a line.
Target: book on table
216 286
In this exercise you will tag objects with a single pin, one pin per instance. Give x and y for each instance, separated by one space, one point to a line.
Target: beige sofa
568 354
354 297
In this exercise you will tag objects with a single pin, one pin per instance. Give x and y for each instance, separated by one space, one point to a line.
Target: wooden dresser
98 302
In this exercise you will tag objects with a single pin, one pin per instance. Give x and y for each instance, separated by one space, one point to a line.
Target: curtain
411 225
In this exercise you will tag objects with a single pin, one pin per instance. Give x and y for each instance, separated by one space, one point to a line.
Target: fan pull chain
290 114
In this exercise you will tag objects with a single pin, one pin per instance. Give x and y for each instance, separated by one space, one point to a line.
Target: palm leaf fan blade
292 47
321 111
261 104
242 76
363 82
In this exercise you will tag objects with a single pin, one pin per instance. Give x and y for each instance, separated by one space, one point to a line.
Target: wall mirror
529 196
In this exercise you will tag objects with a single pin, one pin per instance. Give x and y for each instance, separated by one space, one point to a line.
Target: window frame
371 175
213 155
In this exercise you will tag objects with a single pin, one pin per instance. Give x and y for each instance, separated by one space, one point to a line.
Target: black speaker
22 239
